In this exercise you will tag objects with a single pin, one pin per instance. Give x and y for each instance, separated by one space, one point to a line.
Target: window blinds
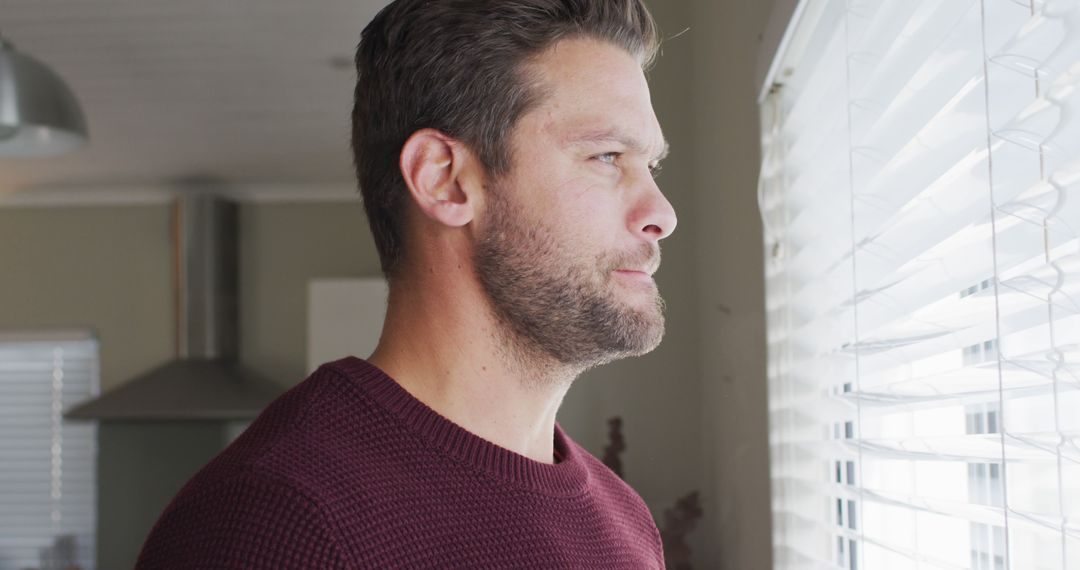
47 464
920 194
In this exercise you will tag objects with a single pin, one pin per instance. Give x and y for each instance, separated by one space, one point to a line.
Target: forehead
590 87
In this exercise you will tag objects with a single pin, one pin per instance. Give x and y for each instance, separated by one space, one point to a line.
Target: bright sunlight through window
921 200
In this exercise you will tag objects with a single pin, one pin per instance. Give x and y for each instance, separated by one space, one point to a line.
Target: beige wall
283 247
107 269
730 280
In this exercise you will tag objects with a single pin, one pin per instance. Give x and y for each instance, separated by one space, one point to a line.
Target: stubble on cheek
555 302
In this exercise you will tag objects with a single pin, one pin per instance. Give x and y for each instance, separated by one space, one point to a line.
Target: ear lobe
431 163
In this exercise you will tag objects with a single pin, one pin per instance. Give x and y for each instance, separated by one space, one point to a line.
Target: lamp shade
39 115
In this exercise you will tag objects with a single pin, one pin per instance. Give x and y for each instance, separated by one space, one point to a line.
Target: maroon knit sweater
348 470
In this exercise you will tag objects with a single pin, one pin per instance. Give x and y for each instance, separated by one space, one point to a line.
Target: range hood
205 381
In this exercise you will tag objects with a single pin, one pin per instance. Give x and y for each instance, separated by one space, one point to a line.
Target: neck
442 343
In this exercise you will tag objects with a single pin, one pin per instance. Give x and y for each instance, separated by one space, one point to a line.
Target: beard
555 303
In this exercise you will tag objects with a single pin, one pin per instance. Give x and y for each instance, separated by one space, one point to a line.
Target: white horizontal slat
48 464
923 267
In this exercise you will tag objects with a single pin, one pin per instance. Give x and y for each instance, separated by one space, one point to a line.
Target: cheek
582 209
598 221
591 243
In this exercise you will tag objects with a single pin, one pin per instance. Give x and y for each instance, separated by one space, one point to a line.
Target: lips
647 268
635 275
640 266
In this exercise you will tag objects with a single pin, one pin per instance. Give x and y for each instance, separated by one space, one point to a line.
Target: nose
653 216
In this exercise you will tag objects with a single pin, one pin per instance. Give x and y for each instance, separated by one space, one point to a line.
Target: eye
608 157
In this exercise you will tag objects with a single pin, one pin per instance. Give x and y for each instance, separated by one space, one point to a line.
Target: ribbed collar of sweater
568 477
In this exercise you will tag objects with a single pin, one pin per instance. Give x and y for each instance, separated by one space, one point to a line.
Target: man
505 151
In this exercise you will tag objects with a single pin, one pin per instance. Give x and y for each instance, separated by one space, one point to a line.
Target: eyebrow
627 141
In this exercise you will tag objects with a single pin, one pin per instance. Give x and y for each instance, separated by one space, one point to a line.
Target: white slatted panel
48 465
921 193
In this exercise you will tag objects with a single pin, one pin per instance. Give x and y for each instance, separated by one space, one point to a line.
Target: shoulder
296 433
249 519
605 484
621 501
263 498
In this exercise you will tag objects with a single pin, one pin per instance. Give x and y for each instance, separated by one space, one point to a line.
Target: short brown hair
456 66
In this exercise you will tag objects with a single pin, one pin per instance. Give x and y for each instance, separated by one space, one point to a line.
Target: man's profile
505 151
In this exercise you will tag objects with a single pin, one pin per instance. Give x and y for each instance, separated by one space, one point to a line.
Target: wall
108 269
284 246
730 280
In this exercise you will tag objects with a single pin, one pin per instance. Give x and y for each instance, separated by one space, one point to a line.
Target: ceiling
243 92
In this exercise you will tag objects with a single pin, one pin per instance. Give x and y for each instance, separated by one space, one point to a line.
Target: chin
643 334
653 342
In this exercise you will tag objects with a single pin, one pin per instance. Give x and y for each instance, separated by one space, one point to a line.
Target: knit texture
347 470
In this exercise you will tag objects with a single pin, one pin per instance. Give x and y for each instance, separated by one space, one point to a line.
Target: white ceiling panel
240 91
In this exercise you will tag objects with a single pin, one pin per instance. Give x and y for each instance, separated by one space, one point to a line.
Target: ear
432 164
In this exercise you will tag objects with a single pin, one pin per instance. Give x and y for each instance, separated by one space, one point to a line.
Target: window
987 547
920 195
48 479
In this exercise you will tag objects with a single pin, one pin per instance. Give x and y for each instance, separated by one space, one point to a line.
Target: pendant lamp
39 115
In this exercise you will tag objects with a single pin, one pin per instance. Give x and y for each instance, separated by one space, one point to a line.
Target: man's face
570 236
